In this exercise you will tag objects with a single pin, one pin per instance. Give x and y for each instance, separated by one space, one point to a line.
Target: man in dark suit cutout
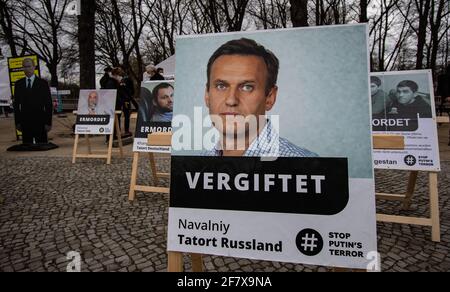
32 106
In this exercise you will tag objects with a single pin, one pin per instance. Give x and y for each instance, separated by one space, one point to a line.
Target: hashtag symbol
410 160
309 242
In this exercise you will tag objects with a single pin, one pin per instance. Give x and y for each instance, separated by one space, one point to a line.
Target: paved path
49 207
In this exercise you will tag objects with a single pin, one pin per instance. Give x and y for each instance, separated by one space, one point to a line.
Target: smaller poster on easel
154 115
403 104
96 110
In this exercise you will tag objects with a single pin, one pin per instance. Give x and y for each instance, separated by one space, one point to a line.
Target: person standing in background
150 70
105 78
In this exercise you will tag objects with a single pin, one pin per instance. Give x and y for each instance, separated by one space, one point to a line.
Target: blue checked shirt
268 144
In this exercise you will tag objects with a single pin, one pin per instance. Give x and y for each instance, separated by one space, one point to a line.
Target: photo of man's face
165 99
92 100
405 95
374 88
237 88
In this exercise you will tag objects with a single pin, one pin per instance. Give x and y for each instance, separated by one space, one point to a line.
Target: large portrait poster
154 115
271 147
16 69
96 110
403 104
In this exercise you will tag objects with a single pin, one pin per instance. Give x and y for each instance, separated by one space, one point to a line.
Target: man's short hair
409 83
108 69
248 47
117 71
93 92
157 88
150 68
375 80
160 70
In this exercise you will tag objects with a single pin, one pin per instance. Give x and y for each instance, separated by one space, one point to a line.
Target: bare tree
331 12
363 10
41 22
423 9
121 25
106 43
299 12
439 10
384 33
224 15
167 21
86 43
195 21
269 13
6 23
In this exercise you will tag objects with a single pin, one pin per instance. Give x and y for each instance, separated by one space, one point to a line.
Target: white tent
168 65
5 89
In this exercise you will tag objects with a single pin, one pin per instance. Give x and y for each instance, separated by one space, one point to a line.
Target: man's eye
221 86
247 88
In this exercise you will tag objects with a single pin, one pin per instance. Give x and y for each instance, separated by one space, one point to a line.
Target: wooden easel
397 142
100 154
159 139
175 262
175 259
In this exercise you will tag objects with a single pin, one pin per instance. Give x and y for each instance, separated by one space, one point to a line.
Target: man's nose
232 97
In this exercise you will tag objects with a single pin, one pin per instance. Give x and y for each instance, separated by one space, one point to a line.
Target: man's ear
206 96
271 98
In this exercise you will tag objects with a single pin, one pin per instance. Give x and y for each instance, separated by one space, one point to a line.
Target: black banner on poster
394 123
144 129
286 185
95 120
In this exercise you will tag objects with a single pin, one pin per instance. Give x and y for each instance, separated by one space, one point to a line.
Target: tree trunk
363 11
436 24
424 9
6 24
53 68
86 41
299 12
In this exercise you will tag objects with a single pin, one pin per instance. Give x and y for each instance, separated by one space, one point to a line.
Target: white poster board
154 115
302 191
95 113
5 86
403 104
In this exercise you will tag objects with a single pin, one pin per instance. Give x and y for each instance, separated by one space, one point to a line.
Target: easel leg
175 262
153 167
88 143
410 191
197 263
434 208
110 146
119 135
134 171
75 148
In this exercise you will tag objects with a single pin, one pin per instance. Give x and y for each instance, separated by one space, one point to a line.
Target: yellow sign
16 69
